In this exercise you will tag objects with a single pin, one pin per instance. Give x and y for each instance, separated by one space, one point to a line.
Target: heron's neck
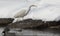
29 9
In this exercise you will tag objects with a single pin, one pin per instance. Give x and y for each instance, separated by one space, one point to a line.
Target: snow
47 10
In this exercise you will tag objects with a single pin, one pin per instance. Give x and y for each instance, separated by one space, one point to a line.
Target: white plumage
22 13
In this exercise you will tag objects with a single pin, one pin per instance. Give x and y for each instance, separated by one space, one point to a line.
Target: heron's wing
20 13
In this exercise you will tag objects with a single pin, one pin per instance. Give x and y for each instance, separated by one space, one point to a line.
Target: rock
55 27
30 23
5 21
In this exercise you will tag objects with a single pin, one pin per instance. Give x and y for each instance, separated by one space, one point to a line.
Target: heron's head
33 6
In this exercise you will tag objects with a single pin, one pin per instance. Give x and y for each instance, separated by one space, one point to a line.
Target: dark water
28 32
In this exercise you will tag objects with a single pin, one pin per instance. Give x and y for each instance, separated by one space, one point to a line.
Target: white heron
22 13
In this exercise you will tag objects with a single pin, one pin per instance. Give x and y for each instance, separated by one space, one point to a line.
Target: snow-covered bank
47 10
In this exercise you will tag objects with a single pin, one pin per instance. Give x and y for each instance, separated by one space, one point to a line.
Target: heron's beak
34 5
